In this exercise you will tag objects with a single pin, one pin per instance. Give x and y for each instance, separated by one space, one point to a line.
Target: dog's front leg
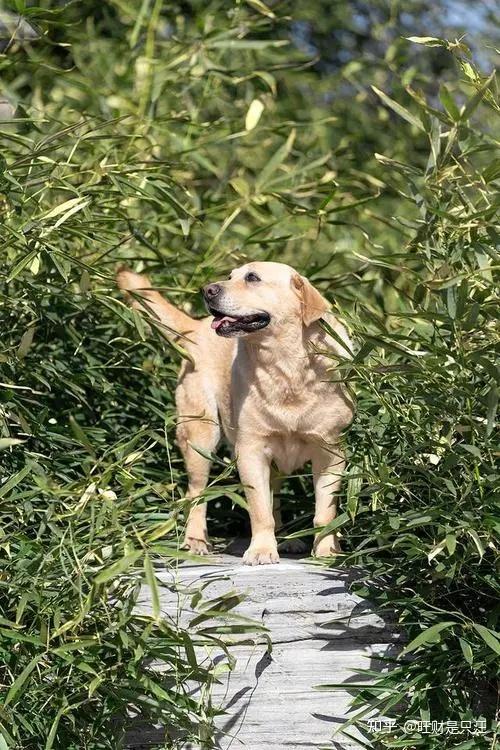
254 471
327 466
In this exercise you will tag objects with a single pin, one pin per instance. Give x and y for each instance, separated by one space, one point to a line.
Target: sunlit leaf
253 115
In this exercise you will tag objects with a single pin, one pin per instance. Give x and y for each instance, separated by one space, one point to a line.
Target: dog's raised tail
171 321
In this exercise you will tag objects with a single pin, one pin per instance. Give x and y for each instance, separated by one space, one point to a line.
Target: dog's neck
287 356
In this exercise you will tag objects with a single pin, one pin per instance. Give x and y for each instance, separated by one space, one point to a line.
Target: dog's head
261 296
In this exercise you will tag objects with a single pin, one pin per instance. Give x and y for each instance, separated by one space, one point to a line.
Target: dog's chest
304 409
289 404
289 452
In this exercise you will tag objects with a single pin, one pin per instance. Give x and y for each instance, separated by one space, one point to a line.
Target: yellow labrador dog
262 377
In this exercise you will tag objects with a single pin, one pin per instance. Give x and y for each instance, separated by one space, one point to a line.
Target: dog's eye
252 277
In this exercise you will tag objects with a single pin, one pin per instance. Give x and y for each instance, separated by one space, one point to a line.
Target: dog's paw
293 547
261 555
326 547
197 546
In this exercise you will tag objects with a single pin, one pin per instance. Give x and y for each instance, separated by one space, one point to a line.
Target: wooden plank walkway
321 634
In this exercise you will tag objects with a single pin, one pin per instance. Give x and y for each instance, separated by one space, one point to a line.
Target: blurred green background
356 141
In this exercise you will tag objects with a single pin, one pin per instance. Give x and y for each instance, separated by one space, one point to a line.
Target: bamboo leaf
262 8
467 651
474 101
253 115
9 442
477 541
398 109
153 587
21 679
491 638
117 568
14 480
53 729
429 635
276 159
26 341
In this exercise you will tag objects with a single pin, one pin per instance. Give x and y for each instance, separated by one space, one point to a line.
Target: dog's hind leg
328 466
276 485
197 439
288 546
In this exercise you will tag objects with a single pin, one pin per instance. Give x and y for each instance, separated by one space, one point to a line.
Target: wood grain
321 634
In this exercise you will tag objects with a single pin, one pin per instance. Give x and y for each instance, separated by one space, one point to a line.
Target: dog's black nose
211 291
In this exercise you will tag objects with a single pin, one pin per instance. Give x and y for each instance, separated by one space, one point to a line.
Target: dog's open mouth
232 325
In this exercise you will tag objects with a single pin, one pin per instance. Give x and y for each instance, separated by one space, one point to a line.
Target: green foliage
423 484
184 138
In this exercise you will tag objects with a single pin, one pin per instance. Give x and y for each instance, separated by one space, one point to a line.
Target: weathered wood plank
320 633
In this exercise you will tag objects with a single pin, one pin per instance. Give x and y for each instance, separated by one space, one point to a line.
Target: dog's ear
314 305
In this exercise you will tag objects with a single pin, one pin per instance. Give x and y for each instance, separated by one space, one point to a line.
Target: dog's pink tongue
217 322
